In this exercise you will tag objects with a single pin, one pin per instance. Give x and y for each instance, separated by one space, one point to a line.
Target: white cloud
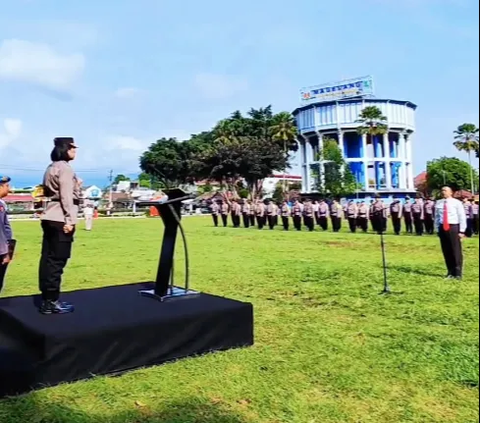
121 142
12 128
217 86
127 93
40 64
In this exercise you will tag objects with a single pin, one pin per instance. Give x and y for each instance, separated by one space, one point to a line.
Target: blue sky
119 77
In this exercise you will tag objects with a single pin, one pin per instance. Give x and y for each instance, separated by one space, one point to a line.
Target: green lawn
328 347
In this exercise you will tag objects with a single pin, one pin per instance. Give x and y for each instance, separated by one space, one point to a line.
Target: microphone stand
386 286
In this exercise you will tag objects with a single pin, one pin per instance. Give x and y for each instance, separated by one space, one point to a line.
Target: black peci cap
65 141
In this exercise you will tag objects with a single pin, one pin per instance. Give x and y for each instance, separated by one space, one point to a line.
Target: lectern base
173 292
113 330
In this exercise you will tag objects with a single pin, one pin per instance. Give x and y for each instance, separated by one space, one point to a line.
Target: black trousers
56 251
323 222
252 220
397 223
309 223
470 228
409 224
3 272
297 222
246 220
261 221
352 221
452 250
476 224
363 223
236 220
225 220
379 224
429 224
271 222
215 219
418 222
286 223
336 223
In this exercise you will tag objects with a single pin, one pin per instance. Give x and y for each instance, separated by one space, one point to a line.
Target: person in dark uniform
252 213
371 213
363 216
285 212
396 212
379 215
418 213
309 215
475 208
469 213
59 221
451 222
430 216
7 243
297 212
215 210
260 212
408 216
323 215
271 215
352 216
236 213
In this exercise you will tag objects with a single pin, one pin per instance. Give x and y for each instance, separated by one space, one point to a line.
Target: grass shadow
414 270
194 410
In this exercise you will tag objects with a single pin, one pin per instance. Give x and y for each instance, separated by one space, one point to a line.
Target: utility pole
111 187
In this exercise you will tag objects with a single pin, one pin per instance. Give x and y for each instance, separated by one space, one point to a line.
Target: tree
337 178
120 178
168 161
372 121
451 172
467 140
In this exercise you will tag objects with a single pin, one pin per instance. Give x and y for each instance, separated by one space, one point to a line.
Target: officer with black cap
62 187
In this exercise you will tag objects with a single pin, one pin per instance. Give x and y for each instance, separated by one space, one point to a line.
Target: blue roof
354 100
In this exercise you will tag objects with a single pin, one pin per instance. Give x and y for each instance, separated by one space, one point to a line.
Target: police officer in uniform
396 212
58 223
352 216
236 213
246 214
215 210
336 214
224 210
430 216
261 214
252 213
408 216
309 215
7 243
363 216
469 213
297 215
285 212
323 215
379 215
418 213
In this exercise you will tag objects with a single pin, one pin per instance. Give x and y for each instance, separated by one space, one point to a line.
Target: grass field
328 347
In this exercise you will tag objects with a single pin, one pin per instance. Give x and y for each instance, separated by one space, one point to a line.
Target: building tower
381 164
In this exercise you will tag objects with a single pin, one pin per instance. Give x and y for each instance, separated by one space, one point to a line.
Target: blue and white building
381 164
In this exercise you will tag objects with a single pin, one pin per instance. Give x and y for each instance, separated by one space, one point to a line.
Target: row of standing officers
418 216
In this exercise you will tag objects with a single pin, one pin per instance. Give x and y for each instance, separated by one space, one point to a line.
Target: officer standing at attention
363 215
252 213
271 215
323 215
58 223
418 213
352 216
407 214
309 215
469 213
336 213
246 213
451 222
285 211
430 216
297 215
396 211
215 210
476 222
7 244
379 215
224 209
260 211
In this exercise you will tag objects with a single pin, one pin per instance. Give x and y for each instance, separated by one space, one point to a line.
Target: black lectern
170 212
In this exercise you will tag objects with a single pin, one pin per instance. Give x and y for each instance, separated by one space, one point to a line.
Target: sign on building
358 87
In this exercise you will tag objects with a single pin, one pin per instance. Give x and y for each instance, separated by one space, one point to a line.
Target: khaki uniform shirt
62 187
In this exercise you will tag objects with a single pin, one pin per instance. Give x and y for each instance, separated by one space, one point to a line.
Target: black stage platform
113 330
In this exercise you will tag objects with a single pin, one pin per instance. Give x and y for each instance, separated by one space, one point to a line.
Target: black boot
56 307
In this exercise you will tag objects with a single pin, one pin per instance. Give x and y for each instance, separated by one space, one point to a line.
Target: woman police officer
62 187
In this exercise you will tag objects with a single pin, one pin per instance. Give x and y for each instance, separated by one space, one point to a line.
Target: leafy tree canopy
449 171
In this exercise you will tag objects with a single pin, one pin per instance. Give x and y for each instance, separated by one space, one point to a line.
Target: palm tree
467 140
284 130
373 123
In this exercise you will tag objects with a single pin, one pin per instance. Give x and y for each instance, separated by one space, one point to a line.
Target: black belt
75 202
